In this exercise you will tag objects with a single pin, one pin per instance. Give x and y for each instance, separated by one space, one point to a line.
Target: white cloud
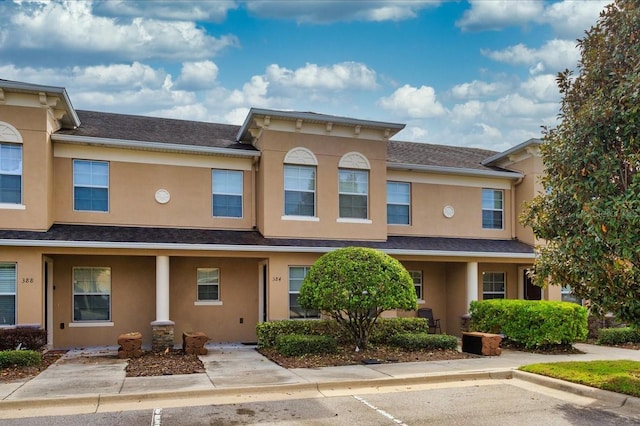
340 76
339 11
120 76
477 89
542 87
570 18
76 29
554 56
498 14
413 102
197 75
210 11
467 111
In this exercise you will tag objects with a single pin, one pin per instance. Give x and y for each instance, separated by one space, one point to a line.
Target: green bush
33 338
531 323
418 341
618 336
19 358
382 331
300 344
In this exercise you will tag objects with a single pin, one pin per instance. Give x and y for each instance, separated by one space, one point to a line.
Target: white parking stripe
156 418
380 411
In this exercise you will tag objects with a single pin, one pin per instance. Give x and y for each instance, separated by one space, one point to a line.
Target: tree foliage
589 215
354 285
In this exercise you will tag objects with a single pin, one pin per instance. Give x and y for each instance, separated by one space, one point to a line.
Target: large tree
354 285
589 215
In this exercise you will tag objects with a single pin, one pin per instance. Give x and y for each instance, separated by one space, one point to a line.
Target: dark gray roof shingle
160 236
437 155
153 129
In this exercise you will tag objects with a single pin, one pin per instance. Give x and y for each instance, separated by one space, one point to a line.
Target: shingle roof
437 155
153 129
170 236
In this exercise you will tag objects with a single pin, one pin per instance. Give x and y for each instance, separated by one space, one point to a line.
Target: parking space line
156 418
380 411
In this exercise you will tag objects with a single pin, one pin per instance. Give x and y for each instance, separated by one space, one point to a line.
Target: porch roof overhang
121 237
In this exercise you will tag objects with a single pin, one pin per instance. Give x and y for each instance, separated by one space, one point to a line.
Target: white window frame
418 283
17 172
292 292
235 192
13 293
493 292
214 283
73 296
492 209
315 182
407 204
91 162
353 194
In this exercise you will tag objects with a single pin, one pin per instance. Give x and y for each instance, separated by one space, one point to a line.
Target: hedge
531 323
19 358
299 344
383 330
618 336
33 338
423 341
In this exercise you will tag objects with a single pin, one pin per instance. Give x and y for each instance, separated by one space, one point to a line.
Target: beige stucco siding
232 321
29 285
132 187
328 151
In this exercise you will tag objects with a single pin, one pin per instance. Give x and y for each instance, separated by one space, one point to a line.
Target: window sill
208 303
301 218
90 324
421 302
9 206
353 220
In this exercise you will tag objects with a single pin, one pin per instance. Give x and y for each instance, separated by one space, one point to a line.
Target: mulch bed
164 364
13 374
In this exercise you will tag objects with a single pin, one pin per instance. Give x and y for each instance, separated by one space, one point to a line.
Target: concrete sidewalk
94 379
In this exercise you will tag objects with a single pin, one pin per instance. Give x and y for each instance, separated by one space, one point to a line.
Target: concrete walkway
94 379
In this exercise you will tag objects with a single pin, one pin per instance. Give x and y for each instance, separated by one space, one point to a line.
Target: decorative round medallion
163 196
448 212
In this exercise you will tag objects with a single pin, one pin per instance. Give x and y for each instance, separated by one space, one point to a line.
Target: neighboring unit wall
134 179
530 187
29 285
34 128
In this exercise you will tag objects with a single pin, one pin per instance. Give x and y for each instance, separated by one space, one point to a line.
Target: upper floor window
91 294
299 190
492 208
8 293
416 276
398 203
10 173
493 285
90 185
227 193
353 193
208 284
296 276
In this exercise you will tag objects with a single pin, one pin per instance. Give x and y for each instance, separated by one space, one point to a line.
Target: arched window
300 183
10 165
353 186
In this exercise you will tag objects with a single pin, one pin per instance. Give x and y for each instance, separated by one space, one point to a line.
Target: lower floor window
7 293
417 282
296 276
208 284
568 296
493 285
91 294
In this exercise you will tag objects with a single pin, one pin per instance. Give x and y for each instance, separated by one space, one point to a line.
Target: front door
531 291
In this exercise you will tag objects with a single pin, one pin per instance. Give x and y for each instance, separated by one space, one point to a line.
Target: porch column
472 293
162 327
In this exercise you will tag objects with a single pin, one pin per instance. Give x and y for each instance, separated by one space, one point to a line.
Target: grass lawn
617 376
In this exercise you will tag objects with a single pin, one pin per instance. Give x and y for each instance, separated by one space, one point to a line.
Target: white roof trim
249 248
154 146
455 170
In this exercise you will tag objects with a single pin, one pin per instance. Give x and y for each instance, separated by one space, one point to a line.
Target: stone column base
162 335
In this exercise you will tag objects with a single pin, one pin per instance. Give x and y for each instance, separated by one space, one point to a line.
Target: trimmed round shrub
301 344
422 341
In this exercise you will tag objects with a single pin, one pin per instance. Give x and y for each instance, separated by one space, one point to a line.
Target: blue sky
469 73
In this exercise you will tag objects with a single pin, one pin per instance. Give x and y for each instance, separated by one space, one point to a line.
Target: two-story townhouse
112 223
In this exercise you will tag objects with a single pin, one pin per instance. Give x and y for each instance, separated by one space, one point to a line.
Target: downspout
513 207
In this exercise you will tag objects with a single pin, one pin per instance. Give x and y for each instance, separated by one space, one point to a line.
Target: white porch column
162 288
472 282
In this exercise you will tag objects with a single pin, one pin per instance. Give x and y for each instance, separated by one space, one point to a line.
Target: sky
475 73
